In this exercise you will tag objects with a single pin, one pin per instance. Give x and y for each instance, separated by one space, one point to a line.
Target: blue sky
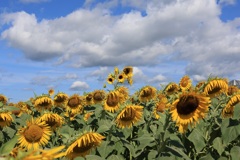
71 46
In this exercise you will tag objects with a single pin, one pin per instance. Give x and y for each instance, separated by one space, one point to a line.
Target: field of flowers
180 121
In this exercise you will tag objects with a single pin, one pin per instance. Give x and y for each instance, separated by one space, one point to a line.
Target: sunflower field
179 121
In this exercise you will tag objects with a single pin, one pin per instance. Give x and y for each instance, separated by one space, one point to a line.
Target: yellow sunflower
162 97
229 108
228 112
123 93
34 135
83 145
43 102
60 100
121 77
23 108
215 87
112 101
75 104
129 116
185 83
116 71
110 79
98 96
188 109
159 107
128 71
171 88
199 85
5 119
147 93
52 119
3 99
232 90
88 99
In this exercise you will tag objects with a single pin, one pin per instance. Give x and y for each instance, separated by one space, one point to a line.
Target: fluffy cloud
170 31
79 85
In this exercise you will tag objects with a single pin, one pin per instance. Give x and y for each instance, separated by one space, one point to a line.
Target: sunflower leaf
207 157
105 149
197 139
115 157
8 146
152 154
95 157
178 152
230 130
235 152
218 145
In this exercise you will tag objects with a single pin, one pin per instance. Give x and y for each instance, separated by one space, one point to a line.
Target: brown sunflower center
112 100
89 97
160 107
73 102
184 82
127 71
60 99
146 92
215 90
1 120
120 77
110 79
129 115
51 122
83 148
98 96
187 104
44 104
33 133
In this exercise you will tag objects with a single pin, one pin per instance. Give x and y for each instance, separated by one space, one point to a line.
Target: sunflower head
75 104
43 102
215 87
88 99
34 134
185 83
189 108
51 91
147 93
121 77
110 79
123 93
98 96
228 112
83 145
129 116
128 71
112 101
232 90
60 99
3 99
199 86
5 119
171 88
159 107
52 119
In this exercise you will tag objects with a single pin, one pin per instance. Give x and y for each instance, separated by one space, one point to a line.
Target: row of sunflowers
179 121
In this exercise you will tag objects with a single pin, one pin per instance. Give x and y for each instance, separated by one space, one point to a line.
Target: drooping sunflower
111 103
162 97
121 77
232 90
43 102
228 112
24 108
229 108
123 93
188 109
3 99
5 119
88 99
83 145
215 87
199 86
34 134
185 83
110 79
98 96
147 93
128 71
52 119
129 116
60 100
171 88
75 104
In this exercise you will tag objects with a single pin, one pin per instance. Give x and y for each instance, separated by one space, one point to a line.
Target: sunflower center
44 104
51 122
126 71
112 100
83 148
120 77
60 99
187 105
184 83
98 96
215 90
110 79
1 120
89 97
146 92
129 115
73 102
33 133
160 107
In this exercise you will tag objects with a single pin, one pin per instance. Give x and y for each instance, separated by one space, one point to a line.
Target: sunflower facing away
123 93
130 115
188 109
112 101
5 119
34 134
60 99
88 99
83 145
229 108
3 99
171 88
215 87
185 83
75 104
52 119
43 103
147 93
98 96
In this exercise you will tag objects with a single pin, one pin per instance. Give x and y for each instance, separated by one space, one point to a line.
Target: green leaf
145 140
9 131
7 147
235 152
95 157
178 152
198 140
218 145
103 128
131 149
152 154
230 130
105 149
115 157
207 157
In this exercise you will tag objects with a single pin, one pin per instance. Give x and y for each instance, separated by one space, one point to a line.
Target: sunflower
52 119
128 71
75 104
70 115
159 107
171 88
24 108
98 96
129 116
43 102
162 97
60 100
83 145
116 71
3 99
88 99
229 108
51 91
188 109
215 87
123 93
34 135
228 112
147 93
185 83
199 86
232 90
121 77
5 119
110 79
112 101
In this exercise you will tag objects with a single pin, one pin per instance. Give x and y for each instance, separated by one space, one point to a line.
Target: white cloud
158 79
79 85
